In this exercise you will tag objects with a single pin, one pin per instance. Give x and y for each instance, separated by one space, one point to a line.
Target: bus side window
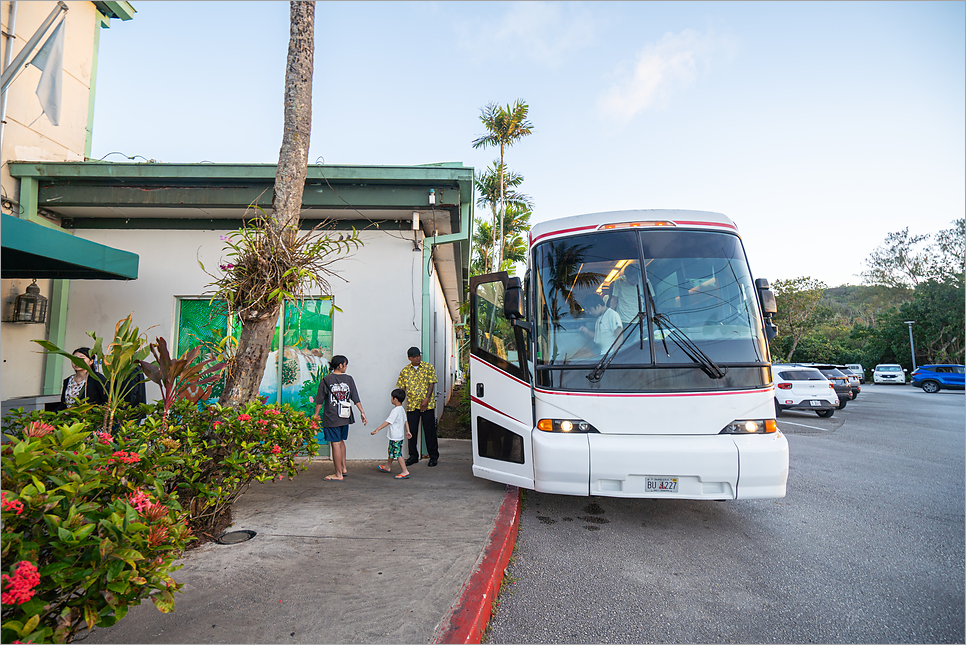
495 335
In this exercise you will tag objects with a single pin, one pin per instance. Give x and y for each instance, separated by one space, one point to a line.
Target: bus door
501 405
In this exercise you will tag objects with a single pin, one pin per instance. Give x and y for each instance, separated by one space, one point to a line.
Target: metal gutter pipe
9 36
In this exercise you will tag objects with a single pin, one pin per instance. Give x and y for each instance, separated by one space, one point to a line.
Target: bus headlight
565 425
750 426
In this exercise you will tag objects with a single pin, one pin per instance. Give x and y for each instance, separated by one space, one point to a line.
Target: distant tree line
908 277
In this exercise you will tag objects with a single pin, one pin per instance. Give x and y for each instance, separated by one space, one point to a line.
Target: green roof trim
121 10
34 251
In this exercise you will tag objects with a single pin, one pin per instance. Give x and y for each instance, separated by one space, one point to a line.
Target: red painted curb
469 615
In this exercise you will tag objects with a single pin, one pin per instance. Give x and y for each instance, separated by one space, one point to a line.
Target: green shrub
94 525
71 500
222 450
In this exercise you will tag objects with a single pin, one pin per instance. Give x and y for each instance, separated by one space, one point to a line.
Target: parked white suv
803 388
889 373
858 370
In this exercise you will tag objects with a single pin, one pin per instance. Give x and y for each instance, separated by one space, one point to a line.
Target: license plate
815 404
661 485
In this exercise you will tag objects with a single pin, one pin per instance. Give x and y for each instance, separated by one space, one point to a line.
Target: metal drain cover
235 537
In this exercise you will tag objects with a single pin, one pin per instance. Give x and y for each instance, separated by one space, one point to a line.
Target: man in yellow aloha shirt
419 380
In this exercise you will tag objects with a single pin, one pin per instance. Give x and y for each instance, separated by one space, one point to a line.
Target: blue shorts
337 434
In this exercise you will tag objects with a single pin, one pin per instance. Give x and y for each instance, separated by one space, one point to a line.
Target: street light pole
912 345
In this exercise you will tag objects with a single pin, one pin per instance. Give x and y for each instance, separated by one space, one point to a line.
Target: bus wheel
778 410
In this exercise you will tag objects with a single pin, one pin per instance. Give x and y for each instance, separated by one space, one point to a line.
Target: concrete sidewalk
370 559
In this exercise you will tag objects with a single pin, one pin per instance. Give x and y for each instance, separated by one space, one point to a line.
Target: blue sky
818 127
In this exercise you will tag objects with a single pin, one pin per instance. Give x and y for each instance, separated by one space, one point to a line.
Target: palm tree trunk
294 154
498 234
258 327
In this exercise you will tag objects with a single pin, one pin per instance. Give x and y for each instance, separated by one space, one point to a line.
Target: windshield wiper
605 360
682 340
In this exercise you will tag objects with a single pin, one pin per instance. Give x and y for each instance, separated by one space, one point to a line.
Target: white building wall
29 135
441 343
381 308
22 361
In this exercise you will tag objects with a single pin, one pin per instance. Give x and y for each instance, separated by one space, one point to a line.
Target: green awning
34 251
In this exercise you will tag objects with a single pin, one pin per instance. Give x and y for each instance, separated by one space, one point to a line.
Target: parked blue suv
932 378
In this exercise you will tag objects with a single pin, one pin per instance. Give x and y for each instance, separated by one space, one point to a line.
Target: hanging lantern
31 307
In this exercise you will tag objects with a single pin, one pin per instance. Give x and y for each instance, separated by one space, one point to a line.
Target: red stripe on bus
721 224
502 373
596 226
653 395
490 407
561 232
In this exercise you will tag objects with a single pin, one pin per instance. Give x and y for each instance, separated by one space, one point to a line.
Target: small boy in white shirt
398 430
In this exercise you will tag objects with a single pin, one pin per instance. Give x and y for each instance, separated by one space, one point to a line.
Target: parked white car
889 373
803 388
858 369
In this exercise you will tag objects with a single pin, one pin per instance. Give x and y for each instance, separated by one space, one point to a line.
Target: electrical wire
360 213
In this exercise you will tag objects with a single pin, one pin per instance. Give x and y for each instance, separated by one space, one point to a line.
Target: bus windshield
638 299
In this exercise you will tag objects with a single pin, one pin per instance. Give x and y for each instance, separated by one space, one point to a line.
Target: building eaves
119 10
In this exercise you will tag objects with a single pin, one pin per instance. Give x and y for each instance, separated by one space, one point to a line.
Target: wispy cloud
671 64
542 32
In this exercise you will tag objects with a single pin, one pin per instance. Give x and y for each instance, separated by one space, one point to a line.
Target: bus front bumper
714 467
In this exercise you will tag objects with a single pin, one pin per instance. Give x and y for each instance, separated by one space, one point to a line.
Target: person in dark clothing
82 387
138 393
337 392
418 380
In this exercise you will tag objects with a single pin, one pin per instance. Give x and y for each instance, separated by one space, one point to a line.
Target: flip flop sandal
402 476
382 468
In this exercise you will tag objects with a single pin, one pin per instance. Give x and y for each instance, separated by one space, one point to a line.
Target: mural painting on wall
304 334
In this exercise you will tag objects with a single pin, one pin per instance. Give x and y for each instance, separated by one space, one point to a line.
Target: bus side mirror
769 306
766 297
513 300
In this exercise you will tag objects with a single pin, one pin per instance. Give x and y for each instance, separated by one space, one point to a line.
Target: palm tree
258 324
505 126
487 238
513 241
516 224
488 187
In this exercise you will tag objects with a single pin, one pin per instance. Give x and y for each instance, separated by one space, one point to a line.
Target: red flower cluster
262 422
139 500
271 411
216 424
314 425
20 586
104 437
38 429
276 450
244 417
11 504
155 511
158 534
124 457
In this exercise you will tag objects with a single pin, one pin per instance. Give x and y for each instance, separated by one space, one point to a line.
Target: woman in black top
81 387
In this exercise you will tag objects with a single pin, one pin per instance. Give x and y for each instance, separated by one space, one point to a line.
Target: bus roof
592 221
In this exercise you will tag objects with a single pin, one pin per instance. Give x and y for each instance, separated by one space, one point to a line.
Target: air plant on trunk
265 267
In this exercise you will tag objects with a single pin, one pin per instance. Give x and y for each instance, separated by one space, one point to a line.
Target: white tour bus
584 381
